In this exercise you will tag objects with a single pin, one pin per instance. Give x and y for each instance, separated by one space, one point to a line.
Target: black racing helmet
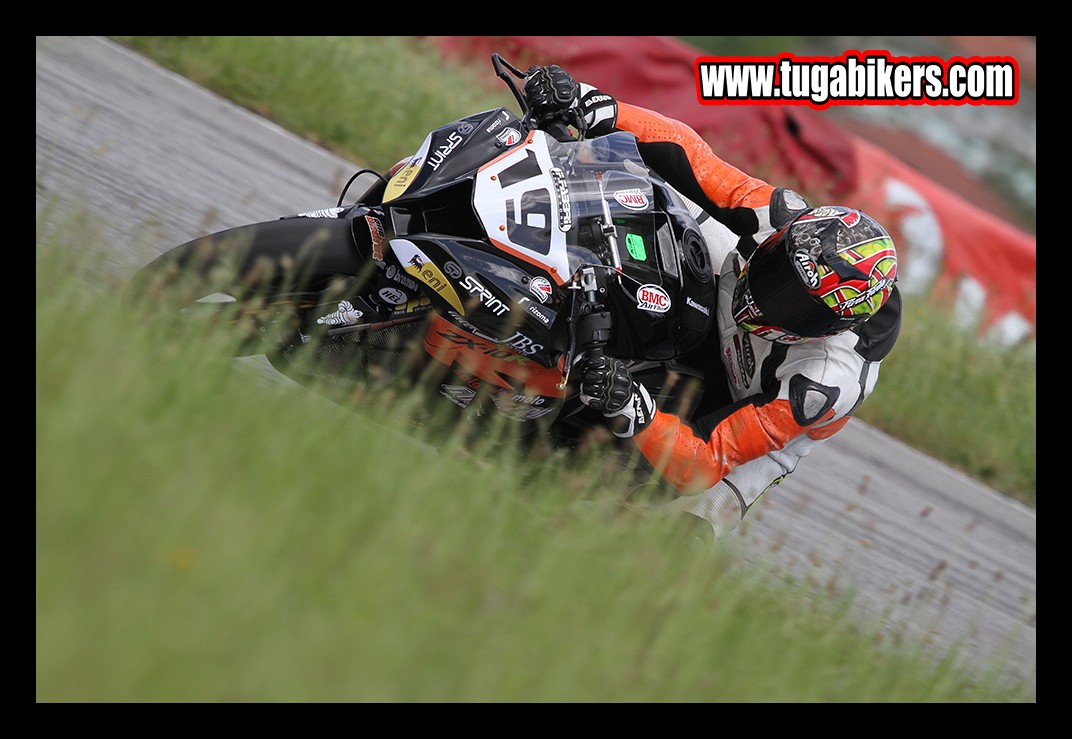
826 272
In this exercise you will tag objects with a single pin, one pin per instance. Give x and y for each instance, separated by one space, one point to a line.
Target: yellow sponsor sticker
417 264
401 181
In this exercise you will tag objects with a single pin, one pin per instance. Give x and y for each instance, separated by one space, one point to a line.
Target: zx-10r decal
490 361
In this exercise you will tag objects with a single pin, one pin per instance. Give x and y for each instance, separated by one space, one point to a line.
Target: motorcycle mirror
501 66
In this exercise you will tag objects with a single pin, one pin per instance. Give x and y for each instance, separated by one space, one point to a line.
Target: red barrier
949 246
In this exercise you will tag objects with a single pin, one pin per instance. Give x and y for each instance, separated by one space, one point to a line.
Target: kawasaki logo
692 303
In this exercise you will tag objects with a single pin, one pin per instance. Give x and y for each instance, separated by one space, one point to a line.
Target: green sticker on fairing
635 244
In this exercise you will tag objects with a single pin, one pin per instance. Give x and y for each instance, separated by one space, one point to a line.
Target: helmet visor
770 299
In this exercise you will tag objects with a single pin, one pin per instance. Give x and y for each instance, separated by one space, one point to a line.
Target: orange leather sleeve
724 184
692 464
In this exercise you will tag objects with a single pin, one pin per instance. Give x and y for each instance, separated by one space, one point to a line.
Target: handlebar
504 69
594 325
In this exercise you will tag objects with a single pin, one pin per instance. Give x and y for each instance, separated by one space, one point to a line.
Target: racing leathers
766 405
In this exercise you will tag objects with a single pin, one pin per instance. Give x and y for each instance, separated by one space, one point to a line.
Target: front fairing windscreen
556 204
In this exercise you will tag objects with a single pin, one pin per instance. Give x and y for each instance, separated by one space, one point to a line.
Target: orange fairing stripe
727 186
692 464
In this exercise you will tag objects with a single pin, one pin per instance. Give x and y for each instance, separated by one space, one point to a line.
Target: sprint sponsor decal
855 78
487 298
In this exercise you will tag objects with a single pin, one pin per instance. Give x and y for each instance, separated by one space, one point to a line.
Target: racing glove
607 386
554 97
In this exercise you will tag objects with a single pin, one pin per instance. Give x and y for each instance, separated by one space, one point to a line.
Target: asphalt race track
924 549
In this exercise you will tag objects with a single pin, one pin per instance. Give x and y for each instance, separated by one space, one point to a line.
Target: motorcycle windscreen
546 201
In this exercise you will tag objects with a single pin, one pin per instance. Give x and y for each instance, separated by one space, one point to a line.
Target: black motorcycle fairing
453 152
478 289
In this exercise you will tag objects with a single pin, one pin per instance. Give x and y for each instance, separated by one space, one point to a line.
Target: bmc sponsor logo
633 198
652 298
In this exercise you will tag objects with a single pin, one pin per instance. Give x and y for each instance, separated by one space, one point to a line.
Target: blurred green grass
206 533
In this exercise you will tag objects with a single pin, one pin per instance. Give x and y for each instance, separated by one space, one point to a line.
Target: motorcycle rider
807 308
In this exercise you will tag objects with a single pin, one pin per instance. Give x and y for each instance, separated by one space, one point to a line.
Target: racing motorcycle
483 268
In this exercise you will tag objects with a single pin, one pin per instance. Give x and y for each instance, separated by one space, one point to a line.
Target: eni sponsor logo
417 264
430 275
403 179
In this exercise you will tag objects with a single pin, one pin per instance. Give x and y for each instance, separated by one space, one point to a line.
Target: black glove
556 101
607 386
550 92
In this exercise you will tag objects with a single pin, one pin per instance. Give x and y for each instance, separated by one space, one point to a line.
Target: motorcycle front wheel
253 283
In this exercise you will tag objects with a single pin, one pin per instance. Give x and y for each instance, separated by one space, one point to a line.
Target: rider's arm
693 461
690 162
686 161
811 391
